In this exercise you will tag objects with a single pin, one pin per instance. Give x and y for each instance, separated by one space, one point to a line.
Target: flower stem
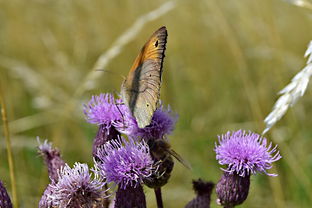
106 200
158 197
9 148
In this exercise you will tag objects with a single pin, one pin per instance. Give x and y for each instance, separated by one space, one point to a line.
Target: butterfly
140 91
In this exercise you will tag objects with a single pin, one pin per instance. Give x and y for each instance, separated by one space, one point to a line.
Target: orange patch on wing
145 54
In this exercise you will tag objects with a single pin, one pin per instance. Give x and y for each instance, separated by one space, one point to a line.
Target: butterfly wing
141 89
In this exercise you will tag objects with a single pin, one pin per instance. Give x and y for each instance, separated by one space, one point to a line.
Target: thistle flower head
75 188
245 153
162 124
104 109
45 201
126 163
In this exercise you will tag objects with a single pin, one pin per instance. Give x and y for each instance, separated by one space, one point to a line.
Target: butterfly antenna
118 95
122 115
110 72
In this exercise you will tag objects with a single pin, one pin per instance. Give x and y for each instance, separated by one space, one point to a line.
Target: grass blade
9 149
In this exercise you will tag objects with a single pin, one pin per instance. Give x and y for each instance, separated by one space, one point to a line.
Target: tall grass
8 147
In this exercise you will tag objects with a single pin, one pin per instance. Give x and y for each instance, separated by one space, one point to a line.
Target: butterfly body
141 89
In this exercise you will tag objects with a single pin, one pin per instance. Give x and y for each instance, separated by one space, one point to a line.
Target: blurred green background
225 63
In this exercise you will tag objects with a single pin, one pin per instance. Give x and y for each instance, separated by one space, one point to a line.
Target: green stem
9 149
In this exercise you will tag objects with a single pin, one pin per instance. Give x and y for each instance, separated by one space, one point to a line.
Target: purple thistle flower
104 110
162 124
75 188
52 158
44 202
125 163
5 200
245 153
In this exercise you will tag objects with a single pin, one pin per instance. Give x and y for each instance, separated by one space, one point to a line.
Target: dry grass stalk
291 93
301 3
9 148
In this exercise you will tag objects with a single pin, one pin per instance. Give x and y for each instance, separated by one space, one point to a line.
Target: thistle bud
232 189
52 158
203 191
